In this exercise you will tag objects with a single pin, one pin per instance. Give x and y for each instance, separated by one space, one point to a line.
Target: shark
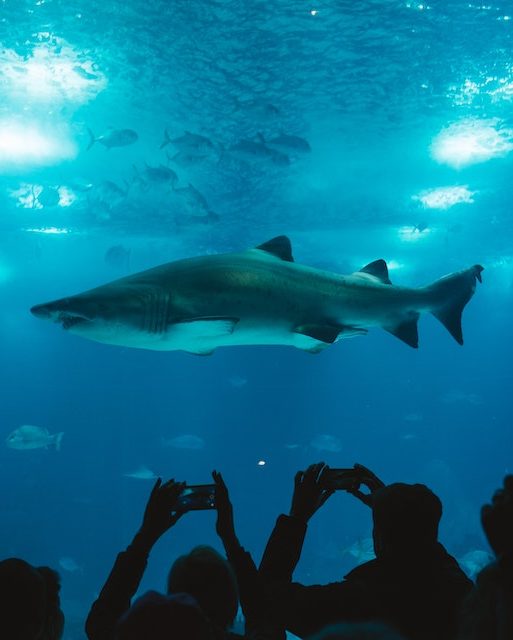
260 296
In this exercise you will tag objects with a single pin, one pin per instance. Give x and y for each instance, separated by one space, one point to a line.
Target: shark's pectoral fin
204 327
325 334
406 330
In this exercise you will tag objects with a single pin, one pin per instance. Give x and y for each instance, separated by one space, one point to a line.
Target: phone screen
339 479
197 496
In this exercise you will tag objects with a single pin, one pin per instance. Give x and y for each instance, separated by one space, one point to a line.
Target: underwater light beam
26 144
471 142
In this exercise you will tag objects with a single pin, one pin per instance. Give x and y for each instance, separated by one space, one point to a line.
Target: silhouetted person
203 573
29 602
413 584
54 617
488 613
154 616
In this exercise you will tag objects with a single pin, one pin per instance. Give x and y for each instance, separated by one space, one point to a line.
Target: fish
193 200
474 561
113 138
192 144
118 256
260 296
160 175
142 473
186 441
288 144
362 550
252 151
238 381
31 437
186 160
70 565
325 442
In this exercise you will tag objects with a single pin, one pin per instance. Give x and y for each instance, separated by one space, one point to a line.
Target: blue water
396 99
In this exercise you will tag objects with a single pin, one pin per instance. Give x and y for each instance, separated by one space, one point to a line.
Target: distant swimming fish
190 143
70 565
474 561
288 144
325 442
114 138
142 473
258 109
118 257
251 151
238 382
362 550
186 441
31 437
161 175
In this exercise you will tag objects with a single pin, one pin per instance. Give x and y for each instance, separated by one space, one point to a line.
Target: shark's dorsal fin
279 247
378 269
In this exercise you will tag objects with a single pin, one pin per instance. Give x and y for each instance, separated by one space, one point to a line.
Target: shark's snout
42 311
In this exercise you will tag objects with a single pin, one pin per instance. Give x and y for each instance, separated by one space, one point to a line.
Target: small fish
190 143
238 382
193 200
31 437
186 441
474 561
86 75
160 175
413 417
118 257
325 442
252 151
70 565
258 109
362 550
456 397
142 473
288 144
186 160
114 138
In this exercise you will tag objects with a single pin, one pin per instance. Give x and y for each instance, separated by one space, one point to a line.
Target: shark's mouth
68 320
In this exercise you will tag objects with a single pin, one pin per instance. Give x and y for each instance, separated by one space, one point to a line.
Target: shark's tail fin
92 139
450 295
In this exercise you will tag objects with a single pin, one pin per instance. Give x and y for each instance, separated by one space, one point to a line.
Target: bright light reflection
470 142
445 197
261 463
413 234
54 70
49 230
28 145
34 196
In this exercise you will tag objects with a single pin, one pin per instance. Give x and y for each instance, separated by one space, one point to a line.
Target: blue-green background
370 85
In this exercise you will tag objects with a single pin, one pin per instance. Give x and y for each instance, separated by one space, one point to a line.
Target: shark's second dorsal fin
279 247
378 269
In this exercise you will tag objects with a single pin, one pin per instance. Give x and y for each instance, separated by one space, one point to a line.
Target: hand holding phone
196 497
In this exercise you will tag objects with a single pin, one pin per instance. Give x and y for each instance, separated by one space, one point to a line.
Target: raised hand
368 479
224 526
308 494
161 511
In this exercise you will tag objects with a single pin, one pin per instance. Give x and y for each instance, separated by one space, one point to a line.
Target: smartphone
197 496
340 479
